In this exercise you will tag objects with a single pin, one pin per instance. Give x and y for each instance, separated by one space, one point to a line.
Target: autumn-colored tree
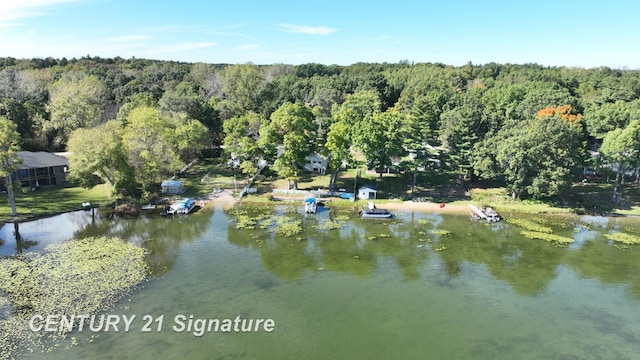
565 112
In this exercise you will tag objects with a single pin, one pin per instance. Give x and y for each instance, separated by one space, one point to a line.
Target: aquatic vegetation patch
441 232
245 222
78 277
329 225
623 238
342 218
267 221
532 226
547 237
622 248
288 227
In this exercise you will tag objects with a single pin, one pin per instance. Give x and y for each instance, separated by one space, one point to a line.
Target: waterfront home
40 169
316 163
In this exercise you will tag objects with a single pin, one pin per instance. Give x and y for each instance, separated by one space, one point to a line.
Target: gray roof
172 183
41 159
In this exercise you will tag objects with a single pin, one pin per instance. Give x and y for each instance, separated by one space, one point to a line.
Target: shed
367 193
172 187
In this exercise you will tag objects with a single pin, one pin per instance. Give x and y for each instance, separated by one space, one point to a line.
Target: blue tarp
310 200
346 196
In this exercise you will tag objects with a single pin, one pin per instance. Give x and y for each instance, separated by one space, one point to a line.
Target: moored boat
370 211
485 213
181 207
310 205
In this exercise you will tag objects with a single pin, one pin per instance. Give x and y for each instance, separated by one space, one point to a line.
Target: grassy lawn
53 201
391 187
208 174
499 199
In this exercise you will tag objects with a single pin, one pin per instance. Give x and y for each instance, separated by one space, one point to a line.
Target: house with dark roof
39 169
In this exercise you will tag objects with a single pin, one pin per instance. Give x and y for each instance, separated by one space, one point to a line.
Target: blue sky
553 33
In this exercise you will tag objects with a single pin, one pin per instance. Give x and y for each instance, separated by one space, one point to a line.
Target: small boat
485 213
372 212
310 205
181 207
148 207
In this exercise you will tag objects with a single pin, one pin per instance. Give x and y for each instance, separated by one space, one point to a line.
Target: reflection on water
37 234
421 285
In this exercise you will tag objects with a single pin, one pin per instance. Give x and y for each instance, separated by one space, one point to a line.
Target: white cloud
11 10
304 29
246 47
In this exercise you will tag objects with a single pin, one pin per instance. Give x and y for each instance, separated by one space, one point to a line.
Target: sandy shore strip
404 206
426 207
224 197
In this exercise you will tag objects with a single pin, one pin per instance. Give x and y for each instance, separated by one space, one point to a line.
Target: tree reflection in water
438 247
454 242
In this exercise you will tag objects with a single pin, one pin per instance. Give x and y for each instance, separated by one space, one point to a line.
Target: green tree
77 101
148 139
190 138
345 118
242 84
292 126
621 149
99 151
601 119
537 157
463 127
22 100
380 139
241 139
9 159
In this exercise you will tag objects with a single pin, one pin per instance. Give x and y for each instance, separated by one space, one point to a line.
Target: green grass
53 201
207 175
633 210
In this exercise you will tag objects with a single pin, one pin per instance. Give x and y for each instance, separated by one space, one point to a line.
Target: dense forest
530 128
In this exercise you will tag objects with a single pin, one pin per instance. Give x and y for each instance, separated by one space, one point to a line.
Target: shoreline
427 207
228 201
407 205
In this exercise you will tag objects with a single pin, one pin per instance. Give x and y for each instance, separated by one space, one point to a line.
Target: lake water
400 289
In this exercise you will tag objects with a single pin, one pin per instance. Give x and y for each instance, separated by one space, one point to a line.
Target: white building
316 163
367 193
172 187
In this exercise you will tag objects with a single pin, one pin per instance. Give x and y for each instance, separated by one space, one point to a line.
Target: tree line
133 121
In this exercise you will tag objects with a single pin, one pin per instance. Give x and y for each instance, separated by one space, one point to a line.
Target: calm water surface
398 289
